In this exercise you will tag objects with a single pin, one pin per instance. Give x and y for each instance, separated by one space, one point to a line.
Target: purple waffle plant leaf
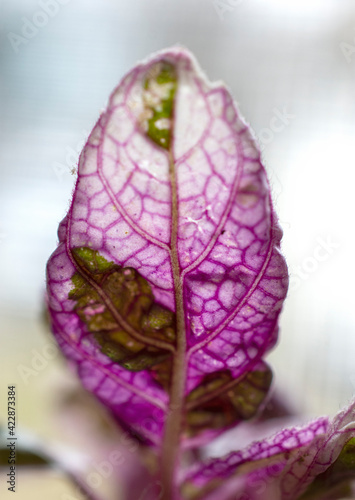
313 462
167 284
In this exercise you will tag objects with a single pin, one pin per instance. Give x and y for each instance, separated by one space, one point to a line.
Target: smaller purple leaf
295 464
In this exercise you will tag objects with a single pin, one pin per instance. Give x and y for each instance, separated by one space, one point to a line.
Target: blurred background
291 68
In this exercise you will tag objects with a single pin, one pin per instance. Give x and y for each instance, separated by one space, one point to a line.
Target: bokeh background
291 67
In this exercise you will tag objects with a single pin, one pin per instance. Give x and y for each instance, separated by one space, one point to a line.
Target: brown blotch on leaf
114 303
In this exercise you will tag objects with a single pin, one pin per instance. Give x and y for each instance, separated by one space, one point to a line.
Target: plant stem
171 442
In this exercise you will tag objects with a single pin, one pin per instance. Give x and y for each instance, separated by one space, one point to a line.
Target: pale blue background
272 54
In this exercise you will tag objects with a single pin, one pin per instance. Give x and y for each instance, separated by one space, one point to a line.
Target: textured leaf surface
117 306
298 463
170 186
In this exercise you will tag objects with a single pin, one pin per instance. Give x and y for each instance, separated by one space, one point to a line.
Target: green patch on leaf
158 96
220 401
347 455
118 308
336 479
91 259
